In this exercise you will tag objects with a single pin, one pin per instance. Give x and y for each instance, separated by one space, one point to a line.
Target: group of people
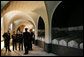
26 38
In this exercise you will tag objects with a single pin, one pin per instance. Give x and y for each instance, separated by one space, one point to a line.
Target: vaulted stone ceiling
27 6
3 3
32 6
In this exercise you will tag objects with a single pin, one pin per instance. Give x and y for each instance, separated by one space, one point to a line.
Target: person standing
14 40
31 38
6 37
17 36
26 38
20 41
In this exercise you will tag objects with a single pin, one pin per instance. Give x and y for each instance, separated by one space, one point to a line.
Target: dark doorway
41 27
41 32
67 14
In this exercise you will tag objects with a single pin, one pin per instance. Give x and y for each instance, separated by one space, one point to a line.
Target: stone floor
37 51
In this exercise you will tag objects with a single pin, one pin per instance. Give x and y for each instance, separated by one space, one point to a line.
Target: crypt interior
57 25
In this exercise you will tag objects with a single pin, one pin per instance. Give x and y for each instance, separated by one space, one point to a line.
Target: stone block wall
67 42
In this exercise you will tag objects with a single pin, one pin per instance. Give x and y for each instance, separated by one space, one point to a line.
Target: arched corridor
57 26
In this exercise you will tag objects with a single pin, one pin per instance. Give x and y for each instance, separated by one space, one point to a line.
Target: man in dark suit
26 38
20 41
31 38
14 40
17 36
6 37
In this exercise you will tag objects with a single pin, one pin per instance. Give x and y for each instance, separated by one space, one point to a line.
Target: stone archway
58 22
41 32
69 14
15 15
41 27
67 27
37 11
23 23
20 28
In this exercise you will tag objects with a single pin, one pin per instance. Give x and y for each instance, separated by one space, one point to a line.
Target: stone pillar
36 38
81 45
47 34
13 26
48 45
6 23
2 28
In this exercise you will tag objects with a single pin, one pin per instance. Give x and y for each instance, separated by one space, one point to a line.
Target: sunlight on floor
2 44
37 51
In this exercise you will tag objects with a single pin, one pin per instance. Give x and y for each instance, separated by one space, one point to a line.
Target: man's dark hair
26 29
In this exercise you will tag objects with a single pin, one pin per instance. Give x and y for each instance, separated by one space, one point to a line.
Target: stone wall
41 39
67 41
66 51
72 38
70 31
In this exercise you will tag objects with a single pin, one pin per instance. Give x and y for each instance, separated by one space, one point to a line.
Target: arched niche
67 15
21 22
26 24
73 44
41 28
20 28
